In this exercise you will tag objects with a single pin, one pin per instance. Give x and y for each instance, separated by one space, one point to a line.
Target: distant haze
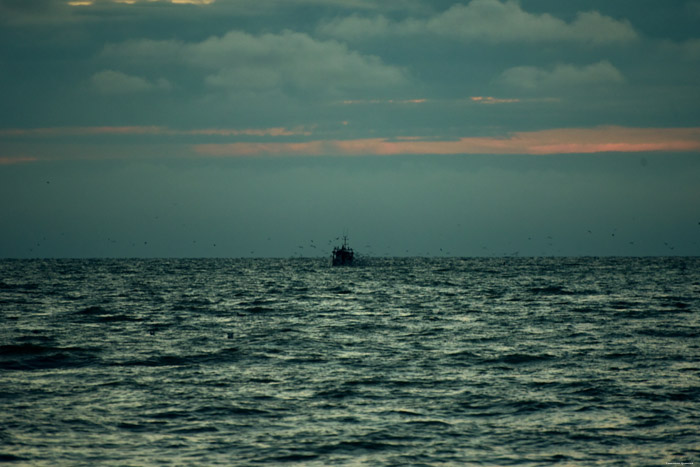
402 206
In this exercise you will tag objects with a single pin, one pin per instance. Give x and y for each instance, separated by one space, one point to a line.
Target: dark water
396 362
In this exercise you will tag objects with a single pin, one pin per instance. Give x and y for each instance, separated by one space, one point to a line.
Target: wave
679 395
464 355
97 313
30 349
24 349
353 446
429 422
292 458
222 356
226 410
335 393
340 290
12 458
29 356
20 287
259 309
520 359
551 290
689 333
92 311
397 363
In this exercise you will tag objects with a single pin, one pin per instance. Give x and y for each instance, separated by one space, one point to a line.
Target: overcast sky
140 128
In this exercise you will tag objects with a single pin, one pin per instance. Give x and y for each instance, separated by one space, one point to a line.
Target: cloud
490 100
22 12
289 61
490 21
691 49
242 4
383 101
193 2
116 82
267 142
5 160
132 2
559 141
694 8
561 76
150 130
688 50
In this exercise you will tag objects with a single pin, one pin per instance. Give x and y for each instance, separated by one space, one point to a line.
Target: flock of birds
314 249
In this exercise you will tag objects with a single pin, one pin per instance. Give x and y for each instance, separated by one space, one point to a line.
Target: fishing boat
343 256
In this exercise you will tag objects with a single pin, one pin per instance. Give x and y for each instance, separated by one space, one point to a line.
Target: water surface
394 362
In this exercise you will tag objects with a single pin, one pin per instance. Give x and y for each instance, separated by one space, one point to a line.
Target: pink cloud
385 101
558 141
17 160
561 141
610 139
493 100
281 131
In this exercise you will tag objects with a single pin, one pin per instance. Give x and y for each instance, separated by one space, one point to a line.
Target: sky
269 128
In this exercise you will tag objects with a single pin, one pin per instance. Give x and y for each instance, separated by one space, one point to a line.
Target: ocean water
517 361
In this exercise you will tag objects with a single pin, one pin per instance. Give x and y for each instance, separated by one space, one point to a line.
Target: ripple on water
397 362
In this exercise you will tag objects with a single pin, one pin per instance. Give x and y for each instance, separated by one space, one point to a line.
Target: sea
390 362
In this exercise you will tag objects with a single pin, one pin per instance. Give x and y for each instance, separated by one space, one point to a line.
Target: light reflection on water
494 362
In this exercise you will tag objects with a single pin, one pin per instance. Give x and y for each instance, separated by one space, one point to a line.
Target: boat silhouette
343 256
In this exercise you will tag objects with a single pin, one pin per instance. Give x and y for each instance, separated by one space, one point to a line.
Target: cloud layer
115 82
561 76
490 21
564 141
290 61
364 71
